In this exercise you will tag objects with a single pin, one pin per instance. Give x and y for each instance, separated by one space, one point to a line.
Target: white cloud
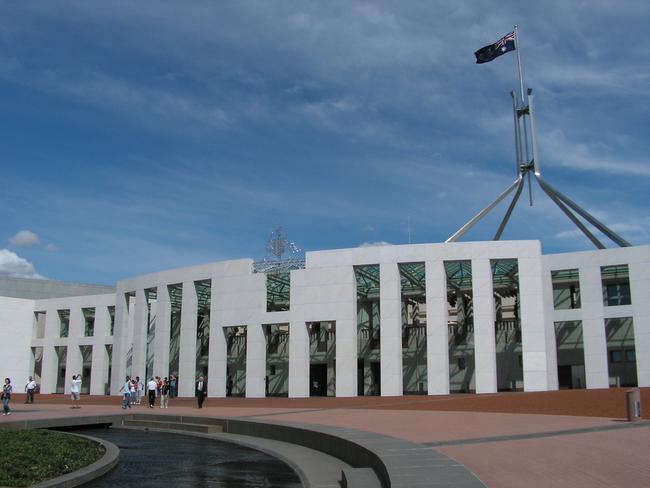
51 247
587 157
13 265
24 238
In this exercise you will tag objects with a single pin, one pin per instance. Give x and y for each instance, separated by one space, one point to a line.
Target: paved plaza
503 449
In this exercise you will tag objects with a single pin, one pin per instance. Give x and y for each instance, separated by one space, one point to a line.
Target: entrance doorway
318 380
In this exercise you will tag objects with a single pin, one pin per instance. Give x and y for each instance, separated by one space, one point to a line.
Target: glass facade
111 316
37 357
507 326
278 291
86 367
566 289
235 360
277 359
89 321
203 295
460 326
616 285
61 356
368 330
64 322
621 352
151 296
570 355
414 328
322 358
175 309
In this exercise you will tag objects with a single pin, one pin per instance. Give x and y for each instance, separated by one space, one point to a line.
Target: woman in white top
75 390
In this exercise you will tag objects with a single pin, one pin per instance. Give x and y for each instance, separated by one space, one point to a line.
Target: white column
161 339
437 330
640 294
298 360
74 360
99 374
187 353
139 357
255 361
218 355
533 333
549 330
484 342
593 328
120 347
346 335
49 371
390 330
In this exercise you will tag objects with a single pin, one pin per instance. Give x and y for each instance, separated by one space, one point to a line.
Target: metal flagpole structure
527 163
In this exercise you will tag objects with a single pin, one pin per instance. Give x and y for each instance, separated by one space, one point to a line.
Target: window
616 285
566 289
89 321
64 321
616 356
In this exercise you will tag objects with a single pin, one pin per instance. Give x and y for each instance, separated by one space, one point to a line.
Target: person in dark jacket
201 391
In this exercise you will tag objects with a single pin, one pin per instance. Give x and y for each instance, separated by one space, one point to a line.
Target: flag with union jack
493 51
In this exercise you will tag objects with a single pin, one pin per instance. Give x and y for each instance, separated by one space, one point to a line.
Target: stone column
484 342
346 335
139 357
255 361
640 294
298 359
99 375
390 330
437 330
533 333
161 340
593 327
187 353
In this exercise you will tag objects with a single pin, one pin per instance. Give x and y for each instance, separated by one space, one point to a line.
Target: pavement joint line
536 435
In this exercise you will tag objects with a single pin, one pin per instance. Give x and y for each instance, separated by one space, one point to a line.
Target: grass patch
31 456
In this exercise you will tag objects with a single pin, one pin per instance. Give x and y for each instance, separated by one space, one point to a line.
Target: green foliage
31 456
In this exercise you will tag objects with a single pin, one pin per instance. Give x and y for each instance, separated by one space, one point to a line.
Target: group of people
134 389
164 388
7 390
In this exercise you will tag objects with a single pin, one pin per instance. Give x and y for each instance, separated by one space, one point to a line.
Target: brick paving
507 440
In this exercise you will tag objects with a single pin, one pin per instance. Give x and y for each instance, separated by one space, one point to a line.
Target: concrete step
166 424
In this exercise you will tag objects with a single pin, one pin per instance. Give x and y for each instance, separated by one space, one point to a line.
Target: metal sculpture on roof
275 261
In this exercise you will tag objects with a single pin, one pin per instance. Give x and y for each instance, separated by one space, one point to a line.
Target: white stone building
391 320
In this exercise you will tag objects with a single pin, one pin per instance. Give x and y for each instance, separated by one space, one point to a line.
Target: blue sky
141 136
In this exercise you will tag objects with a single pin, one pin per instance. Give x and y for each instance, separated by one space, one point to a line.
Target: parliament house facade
423 319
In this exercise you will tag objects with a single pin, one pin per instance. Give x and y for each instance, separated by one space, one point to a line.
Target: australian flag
493 51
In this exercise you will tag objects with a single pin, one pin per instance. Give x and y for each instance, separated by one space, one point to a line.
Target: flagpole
523 104
521 77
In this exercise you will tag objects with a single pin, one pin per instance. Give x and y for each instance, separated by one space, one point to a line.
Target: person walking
164 394
126 388
151 391
30 388
201 391
75 390
6 396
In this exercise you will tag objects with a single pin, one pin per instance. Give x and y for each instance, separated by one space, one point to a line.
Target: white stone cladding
325 291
